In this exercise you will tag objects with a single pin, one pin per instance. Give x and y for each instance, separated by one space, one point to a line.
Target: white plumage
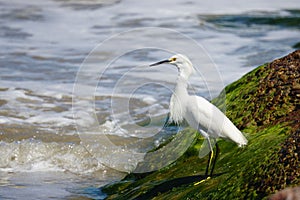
199 113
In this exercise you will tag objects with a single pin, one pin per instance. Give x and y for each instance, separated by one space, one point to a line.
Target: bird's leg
215 159
210 158
211 155
208 164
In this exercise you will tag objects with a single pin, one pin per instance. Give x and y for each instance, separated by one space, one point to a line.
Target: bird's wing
199 113
207 117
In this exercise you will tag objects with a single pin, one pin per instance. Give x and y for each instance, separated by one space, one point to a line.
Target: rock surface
264 104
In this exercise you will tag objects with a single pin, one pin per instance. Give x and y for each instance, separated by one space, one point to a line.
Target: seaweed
264 104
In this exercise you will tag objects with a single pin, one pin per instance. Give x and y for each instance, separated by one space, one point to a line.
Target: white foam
34 156
149 99
112 127
57 119
10 120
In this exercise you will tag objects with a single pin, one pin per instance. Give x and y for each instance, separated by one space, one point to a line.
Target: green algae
236 167
264 104
297 45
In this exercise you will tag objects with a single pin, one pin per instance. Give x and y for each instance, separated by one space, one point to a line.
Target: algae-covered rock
265 105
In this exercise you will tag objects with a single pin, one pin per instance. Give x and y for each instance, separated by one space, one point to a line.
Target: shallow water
79 107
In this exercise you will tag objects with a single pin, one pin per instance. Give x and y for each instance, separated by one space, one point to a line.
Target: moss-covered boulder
264 104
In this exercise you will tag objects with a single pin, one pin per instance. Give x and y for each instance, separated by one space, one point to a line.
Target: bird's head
183 64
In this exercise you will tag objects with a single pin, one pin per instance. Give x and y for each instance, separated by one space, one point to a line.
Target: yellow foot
202 181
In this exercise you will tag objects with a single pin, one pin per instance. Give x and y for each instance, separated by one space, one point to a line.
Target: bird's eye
173 59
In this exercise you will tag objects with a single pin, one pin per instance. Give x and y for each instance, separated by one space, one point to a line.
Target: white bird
199 113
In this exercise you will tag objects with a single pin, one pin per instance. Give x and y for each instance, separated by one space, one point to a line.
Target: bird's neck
181 87
178 100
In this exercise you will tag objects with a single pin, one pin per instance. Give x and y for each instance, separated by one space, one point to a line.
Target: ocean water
79 106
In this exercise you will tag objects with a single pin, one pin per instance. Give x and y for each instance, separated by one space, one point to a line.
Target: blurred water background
43 46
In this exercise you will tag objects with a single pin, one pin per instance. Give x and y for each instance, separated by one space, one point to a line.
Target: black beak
160 62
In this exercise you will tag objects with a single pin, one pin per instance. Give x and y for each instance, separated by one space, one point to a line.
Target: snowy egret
199 113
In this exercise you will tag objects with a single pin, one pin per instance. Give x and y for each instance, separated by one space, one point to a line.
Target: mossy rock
297 45
265 105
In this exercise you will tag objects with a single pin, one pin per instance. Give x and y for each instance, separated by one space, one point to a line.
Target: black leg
215 159
208 164
210 157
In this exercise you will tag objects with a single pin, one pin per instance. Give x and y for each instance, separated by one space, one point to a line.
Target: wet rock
265 103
